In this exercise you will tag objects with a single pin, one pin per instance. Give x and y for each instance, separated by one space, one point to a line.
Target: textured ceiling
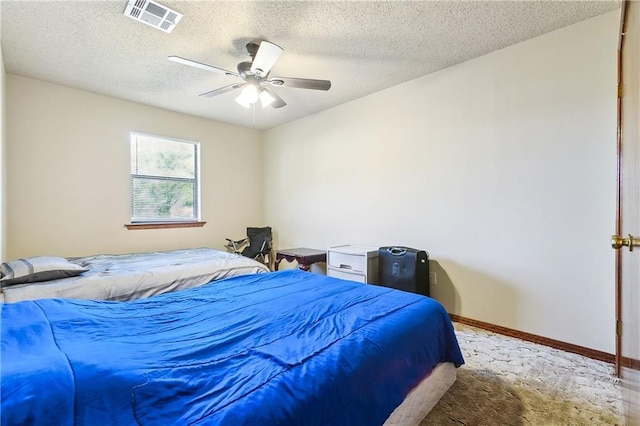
361 46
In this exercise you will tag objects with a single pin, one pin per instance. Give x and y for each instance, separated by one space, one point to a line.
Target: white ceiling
361 46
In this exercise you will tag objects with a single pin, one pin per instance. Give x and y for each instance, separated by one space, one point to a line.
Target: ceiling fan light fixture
243 101
266 99
248 96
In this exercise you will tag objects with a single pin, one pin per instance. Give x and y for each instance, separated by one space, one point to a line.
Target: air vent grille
154 14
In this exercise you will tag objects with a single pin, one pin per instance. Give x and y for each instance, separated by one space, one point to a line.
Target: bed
278 348
125 277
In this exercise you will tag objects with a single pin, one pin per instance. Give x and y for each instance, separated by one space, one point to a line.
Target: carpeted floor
507 381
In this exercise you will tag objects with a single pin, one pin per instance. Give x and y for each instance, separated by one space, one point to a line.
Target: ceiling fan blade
202 66
221 90
278 103
267 55
300 83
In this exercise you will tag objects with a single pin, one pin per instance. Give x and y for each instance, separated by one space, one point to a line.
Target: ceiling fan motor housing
244 69
252 48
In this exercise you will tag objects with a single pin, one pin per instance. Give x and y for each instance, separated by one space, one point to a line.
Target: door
628 221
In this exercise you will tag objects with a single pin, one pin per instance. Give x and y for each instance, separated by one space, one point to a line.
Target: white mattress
134 276
424 396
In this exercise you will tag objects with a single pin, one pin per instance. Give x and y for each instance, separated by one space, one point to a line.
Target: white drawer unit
352 262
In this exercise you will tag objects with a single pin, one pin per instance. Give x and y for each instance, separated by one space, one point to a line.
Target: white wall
502 167
3 138
68 173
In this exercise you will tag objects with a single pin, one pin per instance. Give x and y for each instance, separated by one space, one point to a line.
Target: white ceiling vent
153 14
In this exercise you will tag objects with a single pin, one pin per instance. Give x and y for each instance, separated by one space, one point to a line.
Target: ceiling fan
255 73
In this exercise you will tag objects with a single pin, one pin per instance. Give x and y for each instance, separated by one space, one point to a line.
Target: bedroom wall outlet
432 278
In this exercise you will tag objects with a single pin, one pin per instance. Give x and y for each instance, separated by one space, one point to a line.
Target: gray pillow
39 268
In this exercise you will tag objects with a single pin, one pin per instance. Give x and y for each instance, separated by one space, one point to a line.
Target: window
165 184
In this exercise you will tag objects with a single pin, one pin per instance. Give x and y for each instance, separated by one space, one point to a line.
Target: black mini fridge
404 268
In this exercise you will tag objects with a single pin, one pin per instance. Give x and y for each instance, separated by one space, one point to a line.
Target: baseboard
556 344
631 363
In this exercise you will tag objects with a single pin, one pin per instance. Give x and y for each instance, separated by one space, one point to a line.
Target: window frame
155 223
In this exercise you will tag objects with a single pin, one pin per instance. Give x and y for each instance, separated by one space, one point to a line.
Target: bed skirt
423 397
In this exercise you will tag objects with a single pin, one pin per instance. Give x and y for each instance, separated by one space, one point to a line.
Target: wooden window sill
163 225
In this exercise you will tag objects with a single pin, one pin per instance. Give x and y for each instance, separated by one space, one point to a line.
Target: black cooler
404 268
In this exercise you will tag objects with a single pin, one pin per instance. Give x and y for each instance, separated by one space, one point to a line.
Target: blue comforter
281 348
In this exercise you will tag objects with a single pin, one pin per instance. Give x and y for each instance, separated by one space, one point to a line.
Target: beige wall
3 198
502 167
68 173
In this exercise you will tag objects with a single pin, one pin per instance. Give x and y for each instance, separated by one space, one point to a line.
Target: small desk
304 256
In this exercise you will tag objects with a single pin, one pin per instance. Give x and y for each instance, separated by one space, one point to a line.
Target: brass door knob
618 241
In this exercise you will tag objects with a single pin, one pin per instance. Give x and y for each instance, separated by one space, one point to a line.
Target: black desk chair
257 245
